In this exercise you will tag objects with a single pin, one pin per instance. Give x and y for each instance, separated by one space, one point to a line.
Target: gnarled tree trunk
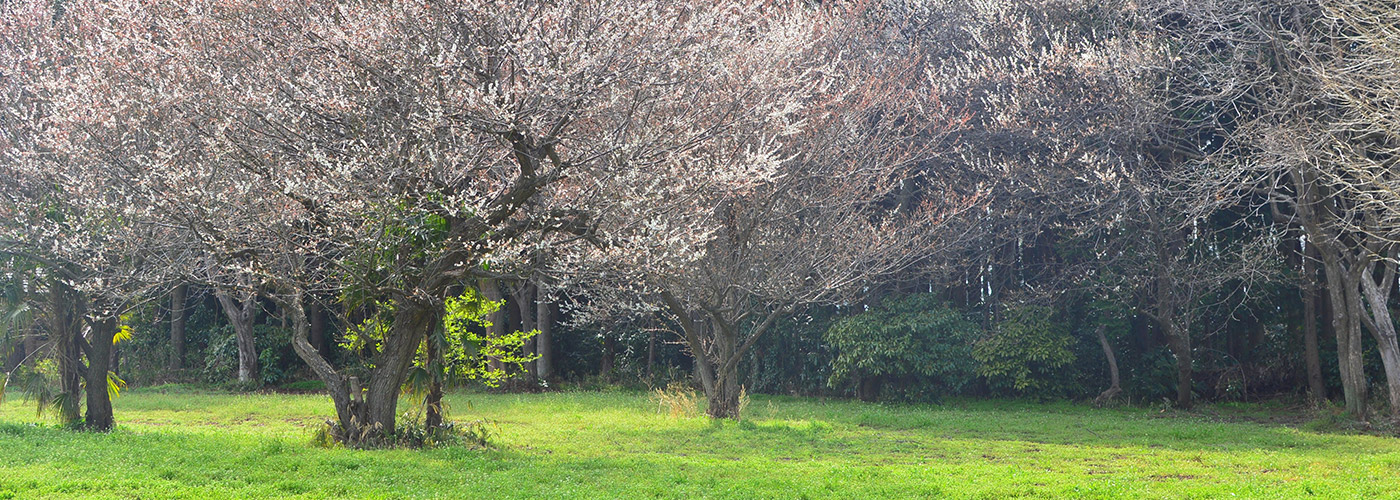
1108 395
241 312
1382 327
717 361
345 394
1344 299
412 321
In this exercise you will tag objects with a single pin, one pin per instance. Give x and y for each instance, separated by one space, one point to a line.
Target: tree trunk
868 389
1173 303
178 298
349 406
1346 324
1382 328
1343 290
241 313
412 322
725 402
318 327
1317 391
1108 395
66 338
1181 347
433 400
31 342
605 368
525 305
99 355
544 344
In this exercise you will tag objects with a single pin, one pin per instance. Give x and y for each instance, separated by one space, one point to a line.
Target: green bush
1025 351
910 348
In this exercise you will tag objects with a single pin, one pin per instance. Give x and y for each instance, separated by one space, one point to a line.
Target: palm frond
115 385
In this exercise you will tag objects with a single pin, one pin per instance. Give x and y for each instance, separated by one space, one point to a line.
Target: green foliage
221 358
40 383
407 233
276 361
466 347
915 340
461 350
115 385
1025 351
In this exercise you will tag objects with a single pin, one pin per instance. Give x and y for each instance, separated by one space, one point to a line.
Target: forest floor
178 442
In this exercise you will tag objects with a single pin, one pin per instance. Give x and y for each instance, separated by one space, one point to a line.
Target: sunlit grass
182 443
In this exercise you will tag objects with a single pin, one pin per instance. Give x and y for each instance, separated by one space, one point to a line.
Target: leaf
123 334
115 385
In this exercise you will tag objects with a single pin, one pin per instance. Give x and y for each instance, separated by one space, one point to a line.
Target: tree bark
605 368
318 328
1114 388
1173 306
544 344
525 304
241 313
178 298
868 389
432 402
1181 347
349 406
99 355
65 304
1382 328
1346 324
1317 391
412 321
717 366
651 356
31 341
1343 290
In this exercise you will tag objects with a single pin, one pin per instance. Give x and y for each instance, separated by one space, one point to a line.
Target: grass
177 442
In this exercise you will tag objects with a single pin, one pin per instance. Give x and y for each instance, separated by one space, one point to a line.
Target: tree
391 152
1260 91
801 200
69 205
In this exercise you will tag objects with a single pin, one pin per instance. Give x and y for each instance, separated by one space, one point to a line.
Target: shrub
1025 351
910 348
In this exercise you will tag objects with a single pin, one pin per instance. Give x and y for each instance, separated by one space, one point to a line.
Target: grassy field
185 443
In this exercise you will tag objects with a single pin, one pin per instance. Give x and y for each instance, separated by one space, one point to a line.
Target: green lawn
183 443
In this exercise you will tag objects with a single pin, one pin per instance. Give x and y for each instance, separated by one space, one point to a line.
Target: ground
177 442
